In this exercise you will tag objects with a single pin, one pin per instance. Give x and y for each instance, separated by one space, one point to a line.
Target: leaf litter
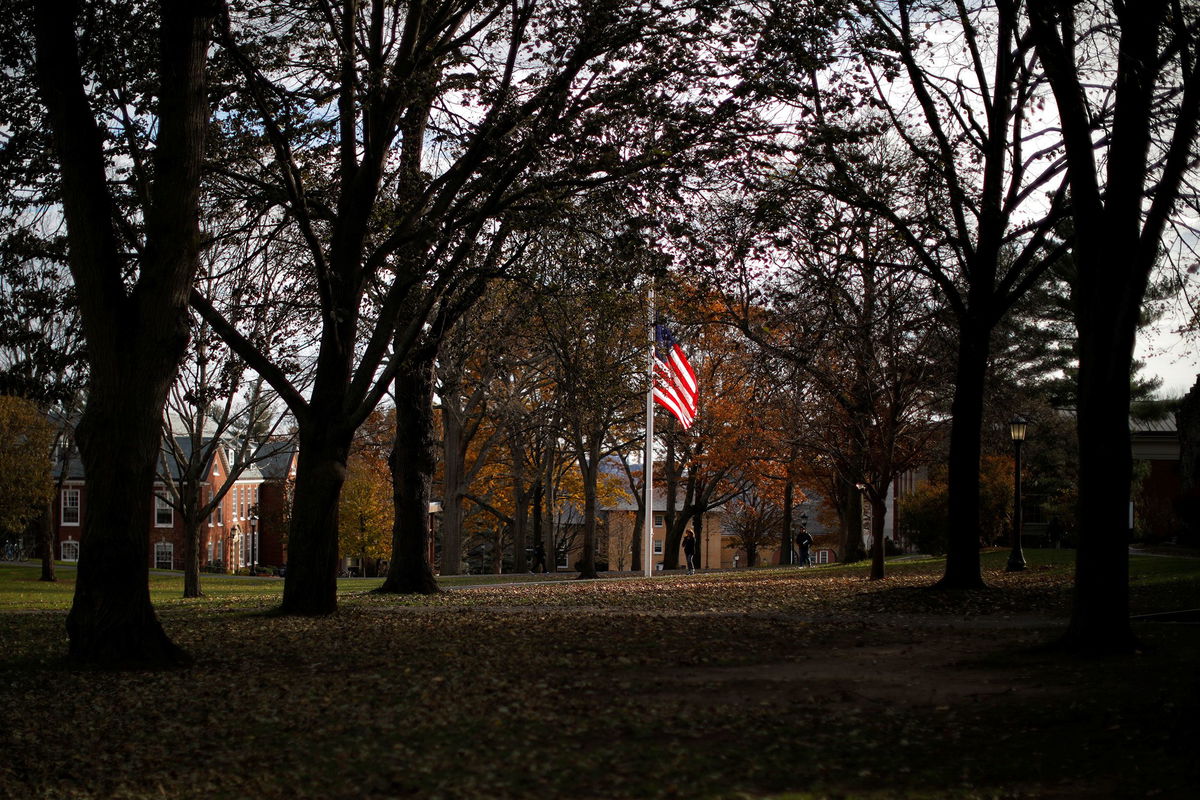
772 683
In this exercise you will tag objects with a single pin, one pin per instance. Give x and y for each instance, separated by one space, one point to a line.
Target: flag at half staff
675 386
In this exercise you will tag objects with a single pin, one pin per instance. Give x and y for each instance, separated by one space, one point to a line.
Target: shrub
925 515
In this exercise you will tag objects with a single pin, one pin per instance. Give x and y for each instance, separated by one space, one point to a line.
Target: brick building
249 524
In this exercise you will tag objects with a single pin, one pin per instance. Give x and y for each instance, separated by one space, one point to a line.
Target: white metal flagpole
648 459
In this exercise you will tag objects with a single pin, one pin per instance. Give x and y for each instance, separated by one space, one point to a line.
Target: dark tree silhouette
136 329
1128 163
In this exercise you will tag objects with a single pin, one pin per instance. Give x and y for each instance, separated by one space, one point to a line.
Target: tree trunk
850 513
310 586
878 512
191 556
520 526
46 538
589 465
639 529
112 622
413 461
698 529
671 470
962 552
1107 332
785 549
537 522
452 492
548 493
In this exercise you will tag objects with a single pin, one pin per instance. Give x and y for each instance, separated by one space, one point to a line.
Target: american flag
674 381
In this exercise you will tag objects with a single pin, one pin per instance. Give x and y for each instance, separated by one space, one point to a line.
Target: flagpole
648 460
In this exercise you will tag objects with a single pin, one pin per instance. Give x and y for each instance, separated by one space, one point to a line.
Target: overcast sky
1171 357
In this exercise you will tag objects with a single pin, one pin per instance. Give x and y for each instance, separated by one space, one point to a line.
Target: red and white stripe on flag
675 387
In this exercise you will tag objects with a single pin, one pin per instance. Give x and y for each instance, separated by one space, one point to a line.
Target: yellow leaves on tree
611 490
366 509
25 484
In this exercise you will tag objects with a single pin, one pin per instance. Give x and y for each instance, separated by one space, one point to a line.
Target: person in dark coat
539 558
689 551
805 543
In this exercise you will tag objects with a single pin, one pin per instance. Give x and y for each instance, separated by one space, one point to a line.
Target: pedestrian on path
805 543
539 558
689 551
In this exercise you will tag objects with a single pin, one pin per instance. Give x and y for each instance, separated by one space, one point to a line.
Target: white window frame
221 513
73 546
161 505
659 520
164 547
822 556
221 551
658 547
210 551
70 492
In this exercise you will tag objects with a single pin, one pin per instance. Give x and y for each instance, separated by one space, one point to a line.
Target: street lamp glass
1016 429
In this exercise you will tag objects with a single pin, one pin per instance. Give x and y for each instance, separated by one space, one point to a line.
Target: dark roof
275 460
1164 425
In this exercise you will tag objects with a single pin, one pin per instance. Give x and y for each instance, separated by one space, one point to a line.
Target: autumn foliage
25 484
365 510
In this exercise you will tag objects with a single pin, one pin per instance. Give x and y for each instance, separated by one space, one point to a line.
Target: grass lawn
20 589
757 684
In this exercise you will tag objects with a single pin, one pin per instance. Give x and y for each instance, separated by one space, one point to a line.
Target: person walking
689 551
539 558
805 543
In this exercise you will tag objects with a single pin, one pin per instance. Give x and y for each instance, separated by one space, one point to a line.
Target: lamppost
1016 429
253 537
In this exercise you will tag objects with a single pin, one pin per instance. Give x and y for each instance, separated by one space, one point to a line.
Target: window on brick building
164 555
70 507
164 515
70 550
